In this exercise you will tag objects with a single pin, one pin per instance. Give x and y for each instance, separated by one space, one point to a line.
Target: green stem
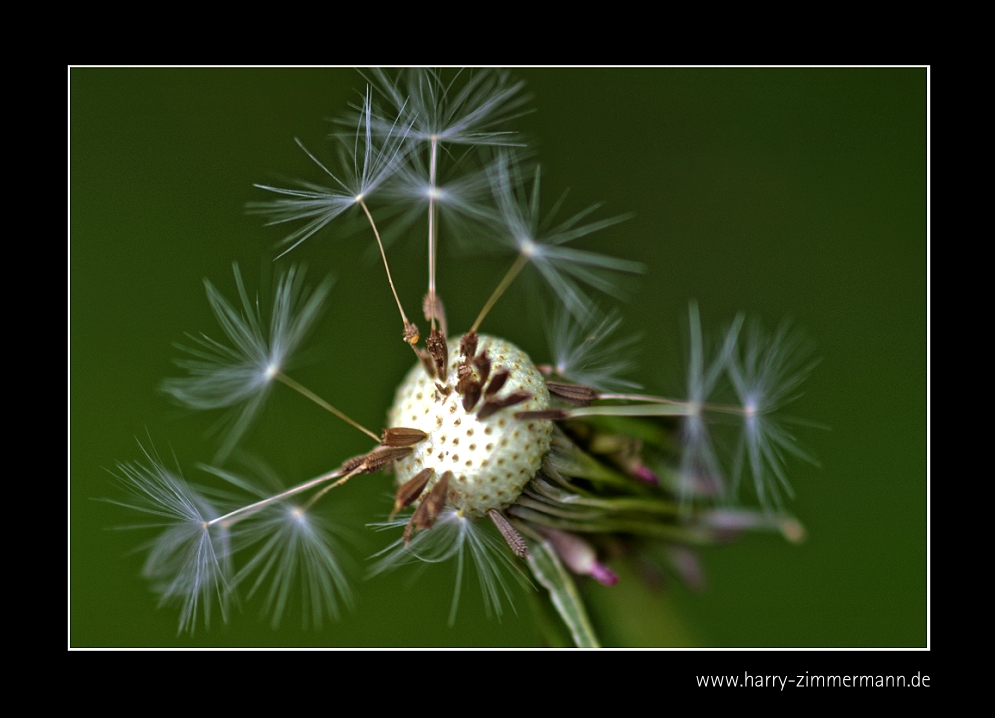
632 410
550 572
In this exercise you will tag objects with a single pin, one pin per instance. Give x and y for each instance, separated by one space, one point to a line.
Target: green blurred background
794 193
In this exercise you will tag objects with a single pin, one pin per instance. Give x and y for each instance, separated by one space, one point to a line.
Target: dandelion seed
563 268
439 117
456 536
459 196
364 167
766 376
240 374
439 114
190 562
587 354
293 546
700 470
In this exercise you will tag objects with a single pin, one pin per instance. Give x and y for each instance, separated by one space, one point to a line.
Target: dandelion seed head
491 458
599 486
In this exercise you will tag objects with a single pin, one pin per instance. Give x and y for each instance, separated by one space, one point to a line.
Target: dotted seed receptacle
491 459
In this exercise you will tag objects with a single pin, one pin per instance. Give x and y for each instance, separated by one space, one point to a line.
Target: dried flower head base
513 468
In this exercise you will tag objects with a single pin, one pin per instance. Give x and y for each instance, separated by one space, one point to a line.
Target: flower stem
676 409
550 572
722 408
640 397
